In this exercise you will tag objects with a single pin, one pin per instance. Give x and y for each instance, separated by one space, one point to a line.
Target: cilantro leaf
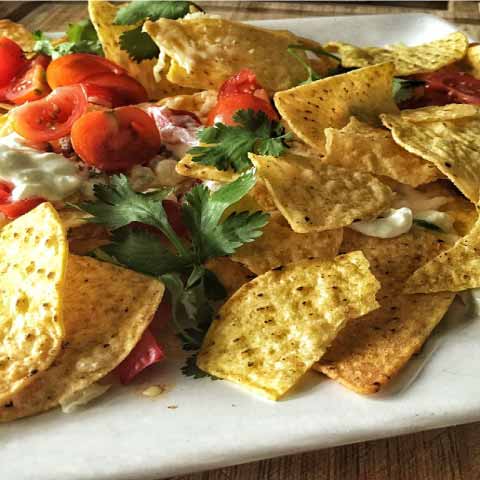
81 38
138 10
228 146
143 252
139 45
202 212
118 205
404 89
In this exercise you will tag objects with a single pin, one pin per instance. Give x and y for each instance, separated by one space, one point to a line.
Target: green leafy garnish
193 290
139 10
190 369
313 76
227 147
81 38
404 89
427 225
139 45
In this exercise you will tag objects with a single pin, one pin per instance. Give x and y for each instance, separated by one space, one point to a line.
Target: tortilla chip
454 270
205 51
272 330
231 274
280 245
18 33
33 256
6 125
199 103
371 350
359 146
102 13
452 145
331 102
424 58
472 60
106 311
315 197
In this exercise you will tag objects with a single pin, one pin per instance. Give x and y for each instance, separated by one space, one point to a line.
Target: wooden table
445 454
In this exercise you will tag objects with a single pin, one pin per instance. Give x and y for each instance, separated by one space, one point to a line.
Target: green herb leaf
228 146
82 31
139 45
404 89
203 210
190 369
139 10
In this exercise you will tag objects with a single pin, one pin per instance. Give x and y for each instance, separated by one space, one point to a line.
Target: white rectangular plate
125 435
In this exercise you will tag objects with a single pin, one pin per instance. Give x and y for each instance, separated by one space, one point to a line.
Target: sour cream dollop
34 173
393 223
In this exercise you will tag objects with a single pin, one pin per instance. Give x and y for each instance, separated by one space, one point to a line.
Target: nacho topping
314 197
33 256
332 101
408 60
275 327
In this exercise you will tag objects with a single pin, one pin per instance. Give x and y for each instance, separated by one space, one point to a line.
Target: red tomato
20 207
115 140
99 95
226 108
245 81
77 67
51 117
5 191
12 60
145 353
30 85
124 90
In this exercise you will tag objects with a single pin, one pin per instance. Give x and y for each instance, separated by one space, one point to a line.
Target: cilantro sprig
81 38
137 43
227 147
193 289
404 89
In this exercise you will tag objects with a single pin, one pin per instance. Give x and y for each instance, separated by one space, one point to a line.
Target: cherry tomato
51 117
12 60
226 108
100 95
124 90
245 81
16 209
77 67
145 353
5 191
29 86
115 140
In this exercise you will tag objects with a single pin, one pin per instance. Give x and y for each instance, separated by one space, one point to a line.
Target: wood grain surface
444 454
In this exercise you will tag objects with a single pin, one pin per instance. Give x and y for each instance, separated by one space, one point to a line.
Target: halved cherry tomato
29 86
145 353
12 60
240 92
16 209
77 67
124 90
115 140
226 108
5 191
51 117
100 95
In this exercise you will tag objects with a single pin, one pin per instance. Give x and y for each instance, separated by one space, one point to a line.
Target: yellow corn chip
315 197
231 274
102 13
454 270
18 33
206 51
6 125
106 310
472 59
272 330
33 256
359 146
452 145
280 245
372 349
199 103
330 102
408 60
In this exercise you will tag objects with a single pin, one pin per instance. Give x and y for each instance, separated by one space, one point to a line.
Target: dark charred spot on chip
8 404
278 269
